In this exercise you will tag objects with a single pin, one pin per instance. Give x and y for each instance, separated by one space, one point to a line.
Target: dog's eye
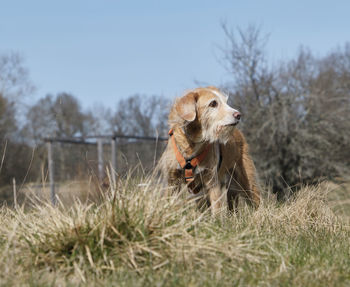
213 104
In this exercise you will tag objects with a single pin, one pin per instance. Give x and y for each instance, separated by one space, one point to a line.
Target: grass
138 237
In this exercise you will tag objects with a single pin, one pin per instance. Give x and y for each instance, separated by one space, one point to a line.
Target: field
136 236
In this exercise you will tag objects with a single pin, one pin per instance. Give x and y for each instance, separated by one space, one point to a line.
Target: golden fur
200 117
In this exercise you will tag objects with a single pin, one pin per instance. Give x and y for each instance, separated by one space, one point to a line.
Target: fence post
113 159
14 192
51 173
100 159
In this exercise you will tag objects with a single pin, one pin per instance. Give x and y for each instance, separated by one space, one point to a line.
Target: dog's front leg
218 199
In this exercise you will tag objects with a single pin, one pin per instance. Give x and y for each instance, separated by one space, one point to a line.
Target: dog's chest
204 175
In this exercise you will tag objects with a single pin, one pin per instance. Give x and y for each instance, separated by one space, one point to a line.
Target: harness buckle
189 176
188 164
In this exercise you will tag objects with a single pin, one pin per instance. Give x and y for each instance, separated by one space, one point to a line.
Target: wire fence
80 158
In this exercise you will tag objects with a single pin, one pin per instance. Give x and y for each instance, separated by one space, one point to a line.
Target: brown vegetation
296 115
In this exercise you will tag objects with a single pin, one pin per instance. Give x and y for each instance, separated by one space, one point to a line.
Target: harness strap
190 164
220 157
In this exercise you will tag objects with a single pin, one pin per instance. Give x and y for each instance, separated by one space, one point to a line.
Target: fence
120 152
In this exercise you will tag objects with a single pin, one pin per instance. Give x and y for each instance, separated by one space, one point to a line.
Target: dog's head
204 115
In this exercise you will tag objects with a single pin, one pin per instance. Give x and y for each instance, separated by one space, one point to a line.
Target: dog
207 153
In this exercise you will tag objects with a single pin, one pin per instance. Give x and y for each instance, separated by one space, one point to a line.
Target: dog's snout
237 115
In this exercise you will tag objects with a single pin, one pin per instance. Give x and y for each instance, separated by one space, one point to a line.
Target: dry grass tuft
138 236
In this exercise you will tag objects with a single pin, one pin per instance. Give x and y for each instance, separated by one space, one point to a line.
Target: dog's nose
237 115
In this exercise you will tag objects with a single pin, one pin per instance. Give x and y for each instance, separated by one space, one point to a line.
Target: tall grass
137 236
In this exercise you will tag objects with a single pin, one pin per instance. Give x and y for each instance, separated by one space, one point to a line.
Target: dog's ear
186 107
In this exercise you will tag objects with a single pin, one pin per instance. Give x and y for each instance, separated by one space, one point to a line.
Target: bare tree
141 115
7 118
14 80
294 113
59 116
99 120
14 86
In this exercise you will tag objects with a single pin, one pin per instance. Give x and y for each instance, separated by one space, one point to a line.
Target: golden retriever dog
206 153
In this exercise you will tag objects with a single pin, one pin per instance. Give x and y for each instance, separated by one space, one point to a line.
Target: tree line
296 114
23 127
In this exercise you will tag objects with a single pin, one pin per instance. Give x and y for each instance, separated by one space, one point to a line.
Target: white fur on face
218 122
223 96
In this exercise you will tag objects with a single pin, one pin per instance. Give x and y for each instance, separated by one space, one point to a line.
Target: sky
103 51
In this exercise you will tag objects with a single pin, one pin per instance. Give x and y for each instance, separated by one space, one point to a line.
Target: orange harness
190 164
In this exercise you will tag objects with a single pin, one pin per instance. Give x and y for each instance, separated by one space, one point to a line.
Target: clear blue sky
101 51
